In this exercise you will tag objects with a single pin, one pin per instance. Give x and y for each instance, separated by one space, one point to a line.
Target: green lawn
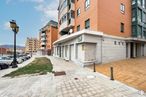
39 65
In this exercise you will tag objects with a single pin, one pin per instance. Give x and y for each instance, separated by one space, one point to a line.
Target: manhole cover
76 78
59 73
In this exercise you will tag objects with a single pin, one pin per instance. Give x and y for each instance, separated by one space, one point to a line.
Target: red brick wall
52 35
110 17
105 16
3 51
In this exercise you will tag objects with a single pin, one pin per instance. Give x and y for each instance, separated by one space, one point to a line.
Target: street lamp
15 29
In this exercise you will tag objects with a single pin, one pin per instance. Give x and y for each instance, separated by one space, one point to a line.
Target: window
78 28
144 32
143 5
119 43
87 24
122 8
87 4
66 50
134 30
133 15
78 12
139 31
122 27
115 42
144 17
133 2
139 15
139 2
83 47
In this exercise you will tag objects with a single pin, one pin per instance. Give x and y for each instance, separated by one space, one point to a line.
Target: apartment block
100 31
48 34
3 51
31 45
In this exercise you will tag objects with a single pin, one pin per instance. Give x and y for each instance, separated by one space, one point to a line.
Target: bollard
112 74
94 68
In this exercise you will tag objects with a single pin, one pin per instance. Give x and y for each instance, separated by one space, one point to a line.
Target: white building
86 46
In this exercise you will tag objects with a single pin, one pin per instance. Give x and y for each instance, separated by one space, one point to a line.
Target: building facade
100 31
48 34
3 51
31 45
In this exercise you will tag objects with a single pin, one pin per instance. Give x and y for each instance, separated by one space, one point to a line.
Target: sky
30 16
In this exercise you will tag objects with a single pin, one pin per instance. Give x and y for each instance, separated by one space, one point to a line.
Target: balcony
43 38
43 48
71 6
71 22
43 43
63 25
43 34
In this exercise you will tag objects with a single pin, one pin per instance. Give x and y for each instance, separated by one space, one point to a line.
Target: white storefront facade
87 47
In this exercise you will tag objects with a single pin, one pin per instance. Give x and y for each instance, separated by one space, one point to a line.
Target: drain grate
59 73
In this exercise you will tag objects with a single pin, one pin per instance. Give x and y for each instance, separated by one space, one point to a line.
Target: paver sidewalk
88 84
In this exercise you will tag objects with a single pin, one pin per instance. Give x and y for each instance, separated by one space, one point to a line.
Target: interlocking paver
130 71
66 85
100 86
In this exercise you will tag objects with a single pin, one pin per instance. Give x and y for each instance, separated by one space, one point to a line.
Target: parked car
25 57
3 66
19 60
5 60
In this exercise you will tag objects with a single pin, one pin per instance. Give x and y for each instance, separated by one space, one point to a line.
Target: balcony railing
43 34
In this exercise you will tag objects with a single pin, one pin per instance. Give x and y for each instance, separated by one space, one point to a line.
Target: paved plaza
130 71
78 82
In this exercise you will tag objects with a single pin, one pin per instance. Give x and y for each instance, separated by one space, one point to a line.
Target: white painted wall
80 52
111 51
85 49
144 49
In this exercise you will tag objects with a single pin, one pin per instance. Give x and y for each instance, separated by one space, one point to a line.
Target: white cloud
35 1
7 26
48 10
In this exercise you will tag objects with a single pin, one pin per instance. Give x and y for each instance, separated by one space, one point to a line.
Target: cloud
8 1
33 1
7 26
48 9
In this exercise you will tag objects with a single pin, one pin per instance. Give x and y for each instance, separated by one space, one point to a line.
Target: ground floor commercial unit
44 52
87 47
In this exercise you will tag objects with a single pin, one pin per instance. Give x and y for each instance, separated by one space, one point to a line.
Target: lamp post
15 29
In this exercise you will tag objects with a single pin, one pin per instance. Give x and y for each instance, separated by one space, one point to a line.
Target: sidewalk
89 84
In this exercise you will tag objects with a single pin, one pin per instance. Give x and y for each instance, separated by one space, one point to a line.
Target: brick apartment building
101 30
48 34
31 45
3 51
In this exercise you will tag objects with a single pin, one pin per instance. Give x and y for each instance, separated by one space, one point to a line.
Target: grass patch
39 65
